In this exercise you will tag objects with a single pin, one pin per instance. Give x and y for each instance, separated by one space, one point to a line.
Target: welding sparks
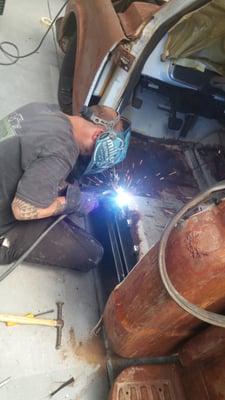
124 177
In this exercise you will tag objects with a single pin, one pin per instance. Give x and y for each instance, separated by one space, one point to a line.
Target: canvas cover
198 39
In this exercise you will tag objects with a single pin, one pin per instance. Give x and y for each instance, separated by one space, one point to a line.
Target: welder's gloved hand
80 202
88 202
73 197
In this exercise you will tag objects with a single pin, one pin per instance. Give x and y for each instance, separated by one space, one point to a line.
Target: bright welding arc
123 198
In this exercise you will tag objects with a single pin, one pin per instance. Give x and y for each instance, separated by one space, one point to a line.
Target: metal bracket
124 58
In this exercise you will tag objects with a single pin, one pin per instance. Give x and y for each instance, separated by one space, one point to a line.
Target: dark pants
66 245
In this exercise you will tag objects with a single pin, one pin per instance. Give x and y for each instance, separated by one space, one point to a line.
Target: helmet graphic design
111 147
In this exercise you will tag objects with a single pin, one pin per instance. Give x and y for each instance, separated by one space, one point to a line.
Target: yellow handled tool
30 319
30 315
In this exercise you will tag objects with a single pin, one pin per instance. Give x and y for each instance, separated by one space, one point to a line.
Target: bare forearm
24 211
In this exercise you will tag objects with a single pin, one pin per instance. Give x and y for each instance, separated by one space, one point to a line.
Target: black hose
31 248
18 56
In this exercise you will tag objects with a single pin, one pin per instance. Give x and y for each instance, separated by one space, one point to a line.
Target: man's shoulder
36 107
62 143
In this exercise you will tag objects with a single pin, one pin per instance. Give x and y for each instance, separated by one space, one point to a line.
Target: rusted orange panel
204 381
214 377
140 317
194 383
207 344
136 16
148 383
98 29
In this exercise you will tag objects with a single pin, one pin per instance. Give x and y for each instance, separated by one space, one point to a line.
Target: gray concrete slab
28 353
34 78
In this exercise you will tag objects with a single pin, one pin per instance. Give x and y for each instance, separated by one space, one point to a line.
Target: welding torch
115 196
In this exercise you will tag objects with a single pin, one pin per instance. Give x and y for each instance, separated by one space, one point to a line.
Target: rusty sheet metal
155 166
140 317
98 29
194 383
207 344
214 377
213 159
151 168
136 17
148 383
205 381
154 215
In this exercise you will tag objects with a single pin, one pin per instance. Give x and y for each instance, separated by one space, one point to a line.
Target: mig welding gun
85 200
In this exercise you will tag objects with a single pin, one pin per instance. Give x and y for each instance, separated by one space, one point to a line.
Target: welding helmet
111 146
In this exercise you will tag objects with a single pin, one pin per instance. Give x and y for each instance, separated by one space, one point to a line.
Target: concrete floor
28 353
33 78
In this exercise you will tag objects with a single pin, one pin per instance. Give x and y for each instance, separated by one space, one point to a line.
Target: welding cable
31 248
206 316
18 56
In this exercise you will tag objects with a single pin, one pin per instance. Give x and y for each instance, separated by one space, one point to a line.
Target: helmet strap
90 116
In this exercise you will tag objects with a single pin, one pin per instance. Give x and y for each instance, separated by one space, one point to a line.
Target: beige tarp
198 39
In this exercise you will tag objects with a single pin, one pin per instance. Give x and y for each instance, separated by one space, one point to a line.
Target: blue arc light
123 198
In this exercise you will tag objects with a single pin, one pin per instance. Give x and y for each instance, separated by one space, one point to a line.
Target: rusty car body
123 59
98 30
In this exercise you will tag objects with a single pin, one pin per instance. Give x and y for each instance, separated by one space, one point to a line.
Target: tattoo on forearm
27 210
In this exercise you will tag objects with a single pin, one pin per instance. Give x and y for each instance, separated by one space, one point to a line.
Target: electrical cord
206 316
18 56
31 248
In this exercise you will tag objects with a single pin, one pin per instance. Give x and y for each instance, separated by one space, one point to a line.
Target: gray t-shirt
35 159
